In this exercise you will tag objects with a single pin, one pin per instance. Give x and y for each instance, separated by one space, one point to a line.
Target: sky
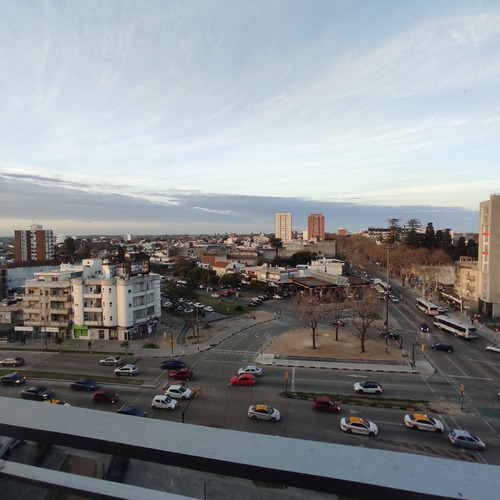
175 117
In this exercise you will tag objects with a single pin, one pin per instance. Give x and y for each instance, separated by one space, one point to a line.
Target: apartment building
489 257
316 226
465 289
94 300
283 226
35 244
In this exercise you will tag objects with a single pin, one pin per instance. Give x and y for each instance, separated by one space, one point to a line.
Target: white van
164 402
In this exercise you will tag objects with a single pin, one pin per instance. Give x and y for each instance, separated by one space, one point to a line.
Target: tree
413 238
394 234
472 248
365 313
429 239
231 280
339 305
276 243
460 249
67 250
447 243
315 307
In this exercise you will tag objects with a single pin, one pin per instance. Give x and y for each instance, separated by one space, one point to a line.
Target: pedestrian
90 344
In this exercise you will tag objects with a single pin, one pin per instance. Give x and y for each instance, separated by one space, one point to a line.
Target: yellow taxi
358 425
420 421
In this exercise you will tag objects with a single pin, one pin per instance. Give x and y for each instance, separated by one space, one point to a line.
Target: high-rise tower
283 225
316 226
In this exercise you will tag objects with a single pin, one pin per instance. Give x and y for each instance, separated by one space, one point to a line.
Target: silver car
464 439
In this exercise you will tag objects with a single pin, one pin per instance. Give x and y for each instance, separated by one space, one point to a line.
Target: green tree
447 243
472 248
394 234
413 238
231 280
276 243
67 250
460 249
429 239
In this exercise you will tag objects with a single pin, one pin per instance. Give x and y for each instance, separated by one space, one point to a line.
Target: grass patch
364 400
151 345
33 375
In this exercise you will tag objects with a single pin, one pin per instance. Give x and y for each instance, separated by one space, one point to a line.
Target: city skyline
210 118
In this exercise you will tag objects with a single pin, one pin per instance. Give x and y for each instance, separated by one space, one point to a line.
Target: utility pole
387 302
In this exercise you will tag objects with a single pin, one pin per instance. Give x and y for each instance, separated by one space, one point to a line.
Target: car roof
461 432
261 407
323 399
417 416
355 420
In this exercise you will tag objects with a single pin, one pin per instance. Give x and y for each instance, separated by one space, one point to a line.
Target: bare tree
316 307
338 305
366 311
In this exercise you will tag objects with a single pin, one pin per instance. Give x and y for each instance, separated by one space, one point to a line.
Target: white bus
455 327
427 307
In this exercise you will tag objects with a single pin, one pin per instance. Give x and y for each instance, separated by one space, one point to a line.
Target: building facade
35 244
489 257
94 300
283 226
316 226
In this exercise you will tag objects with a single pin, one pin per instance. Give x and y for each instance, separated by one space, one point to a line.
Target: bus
455 327
381 292
427 307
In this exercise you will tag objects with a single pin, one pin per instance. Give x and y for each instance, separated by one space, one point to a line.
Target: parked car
340 322
128 369
424 327
172 364
13 379
164 402
256 371
391 335
111 361
493 348
264 412
323 403
244 379
419 421
131 410
464 439
358 425
215 295
37 393
368 386
224 294
208 309
105 397
182 374
198 305
85 384
442 346
12 362
179 392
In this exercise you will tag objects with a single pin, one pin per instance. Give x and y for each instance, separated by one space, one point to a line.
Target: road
220 405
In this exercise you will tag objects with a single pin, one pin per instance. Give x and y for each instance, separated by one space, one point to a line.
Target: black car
131 410
85 384
442 346
13 379
38 393
424 327
172 364
391 335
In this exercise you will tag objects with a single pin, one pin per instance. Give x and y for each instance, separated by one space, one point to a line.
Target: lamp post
387 302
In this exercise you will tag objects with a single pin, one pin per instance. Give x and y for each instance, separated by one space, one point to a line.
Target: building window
111 318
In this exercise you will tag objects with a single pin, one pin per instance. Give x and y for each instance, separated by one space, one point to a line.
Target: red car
244 379
322 403
107 397
224 294
182 374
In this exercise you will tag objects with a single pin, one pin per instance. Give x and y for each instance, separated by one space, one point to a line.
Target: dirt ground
299 343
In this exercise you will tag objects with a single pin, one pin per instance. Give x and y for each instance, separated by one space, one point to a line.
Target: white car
368 386
494 348
179 392
127 370
163 402
198 305
264 412
215 295
358 425
256 371
209 309
419 421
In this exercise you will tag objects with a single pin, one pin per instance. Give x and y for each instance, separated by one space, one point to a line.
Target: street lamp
387 302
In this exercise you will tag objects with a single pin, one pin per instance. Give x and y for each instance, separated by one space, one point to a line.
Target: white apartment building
489 257
283 226
94 300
